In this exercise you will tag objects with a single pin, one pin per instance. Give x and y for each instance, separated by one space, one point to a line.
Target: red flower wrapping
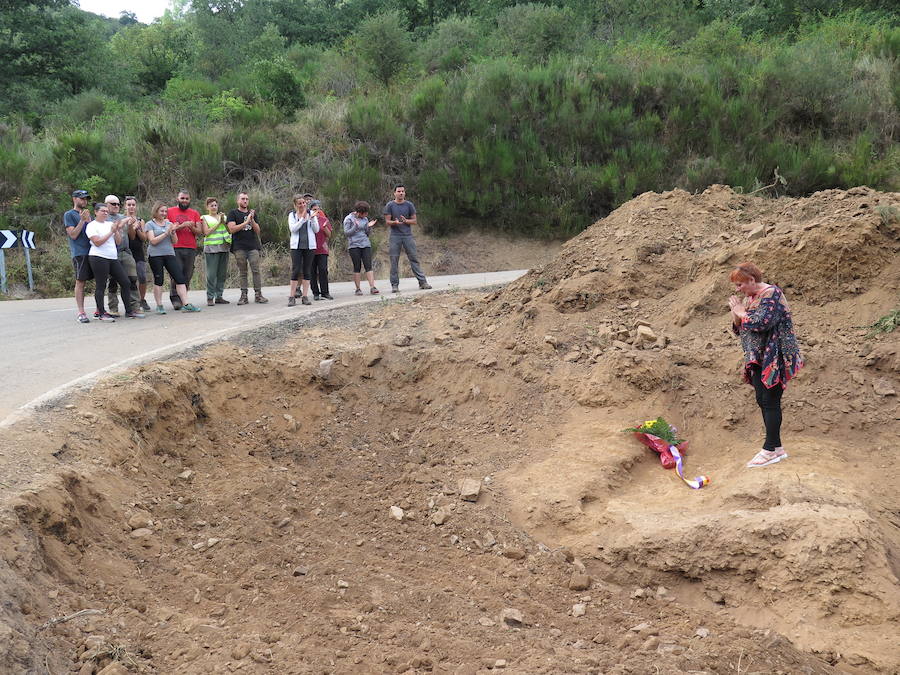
661 446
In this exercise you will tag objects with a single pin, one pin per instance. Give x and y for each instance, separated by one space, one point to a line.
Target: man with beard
245 245
187 226
400 216
75 221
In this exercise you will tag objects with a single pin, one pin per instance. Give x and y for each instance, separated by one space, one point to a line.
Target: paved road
45 351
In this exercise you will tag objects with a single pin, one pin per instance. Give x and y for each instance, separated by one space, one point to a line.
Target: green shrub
383 45
534 31
454 43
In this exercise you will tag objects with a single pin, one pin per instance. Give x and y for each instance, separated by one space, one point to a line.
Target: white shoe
767 457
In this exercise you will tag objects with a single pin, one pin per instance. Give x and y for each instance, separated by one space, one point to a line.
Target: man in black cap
75 221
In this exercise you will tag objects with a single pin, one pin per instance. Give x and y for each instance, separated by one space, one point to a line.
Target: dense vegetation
526 118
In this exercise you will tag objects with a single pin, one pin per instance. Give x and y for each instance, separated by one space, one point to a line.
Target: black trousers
318 281
769 402
103 269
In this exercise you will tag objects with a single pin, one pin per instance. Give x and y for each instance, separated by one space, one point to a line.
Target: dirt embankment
234 512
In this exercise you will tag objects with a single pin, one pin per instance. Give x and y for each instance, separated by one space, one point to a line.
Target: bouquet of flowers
660 436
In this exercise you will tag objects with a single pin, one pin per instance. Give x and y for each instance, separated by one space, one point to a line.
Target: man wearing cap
75 221
187 226
126 259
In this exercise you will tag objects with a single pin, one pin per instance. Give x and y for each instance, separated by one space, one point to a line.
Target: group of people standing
116 250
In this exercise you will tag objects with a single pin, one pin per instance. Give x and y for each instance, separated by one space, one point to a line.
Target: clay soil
292 501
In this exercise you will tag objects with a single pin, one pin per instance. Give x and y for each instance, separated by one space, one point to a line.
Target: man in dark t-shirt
400 216
245 245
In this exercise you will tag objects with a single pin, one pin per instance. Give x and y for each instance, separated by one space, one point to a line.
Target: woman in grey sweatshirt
357 226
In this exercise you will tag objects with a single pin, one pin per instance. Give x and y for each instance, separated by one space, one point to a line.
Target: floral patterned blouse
768 339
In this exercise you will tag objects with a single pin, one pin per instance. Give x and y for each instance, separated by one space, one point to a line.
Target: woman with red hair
763 321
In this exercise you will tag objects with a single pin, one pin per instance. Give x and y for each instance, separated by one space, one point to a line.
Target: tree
127 18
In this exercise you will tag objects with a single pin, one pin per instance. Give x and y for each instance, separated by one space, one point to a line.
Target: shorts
83 271
361 257
141 266
302 263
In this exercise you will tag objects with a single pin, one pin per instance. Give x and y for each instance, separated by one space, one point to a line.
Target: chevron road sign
10 239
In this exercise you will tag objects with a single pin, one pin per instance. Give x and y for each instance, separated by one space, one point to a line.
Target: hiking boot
305 300
82 318
243 300
292 301
144 306
210 302
260 299
326 296
176 304
395 289
317 297
222 301
425 286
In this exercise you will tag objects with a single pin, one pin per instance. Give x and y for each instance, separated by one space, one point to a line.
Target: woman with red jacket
318 281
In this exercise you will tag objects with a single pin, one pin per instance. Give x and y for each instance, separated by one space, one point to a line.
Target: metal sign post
28 244
7 240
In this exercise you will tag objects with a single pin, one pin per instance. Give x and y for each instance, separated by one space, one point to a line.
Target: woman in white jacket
303 225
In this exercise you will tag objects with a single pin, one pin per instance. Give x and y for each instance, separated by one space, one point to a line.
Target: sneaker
106 316
358 291
144 306
160 309
317 297
176 305
395 289
222 301
96 314
305 300
373 291
767 457
134 315
82 318
292 301
210 302
326 296
260 299
190 308
425 287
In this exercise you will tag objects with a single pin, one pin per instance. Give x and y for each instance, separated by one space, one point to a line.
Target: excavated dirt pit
240 510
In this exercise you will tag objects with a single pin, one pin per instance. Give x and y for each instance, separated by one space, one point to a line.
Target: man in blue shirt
400 215
75 221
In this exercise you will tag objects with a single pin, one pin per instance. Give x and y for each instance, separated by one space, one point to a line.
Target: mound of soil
443 485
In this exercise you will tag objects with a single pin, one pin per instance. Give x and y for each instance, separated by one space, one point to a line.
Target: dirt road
46 351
